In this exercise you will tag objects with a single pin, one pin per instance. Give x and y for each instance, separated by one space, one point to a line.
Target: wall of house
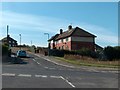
82 39
76 45
63 44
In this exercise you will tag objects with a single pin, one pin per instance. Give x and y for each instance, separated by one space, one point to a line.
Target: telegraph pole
7 35
48 43
20 41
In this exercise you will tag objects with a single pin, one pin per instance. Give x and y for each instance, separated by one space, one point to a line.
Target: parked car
21 53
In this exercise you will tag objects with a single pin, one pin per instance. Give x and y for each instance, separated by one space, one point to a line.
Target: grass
94 63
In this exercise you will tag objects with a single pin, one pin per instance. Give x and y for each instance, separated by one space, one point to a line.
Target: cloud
34 24
30 22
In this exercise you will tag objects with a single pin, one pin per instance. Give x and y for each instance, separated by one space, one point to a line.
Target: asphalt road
40 73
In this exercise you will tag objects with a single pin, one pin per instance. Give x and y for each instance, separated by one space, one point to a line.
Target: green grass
86 63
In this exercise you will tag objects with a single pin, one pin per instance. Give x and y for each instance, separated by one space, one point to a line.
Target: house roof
82 33
71 31
4 39
53 37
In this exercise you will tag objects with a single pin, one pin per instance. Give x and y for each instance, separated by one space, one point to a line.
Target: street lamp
48 43
47 34
20 41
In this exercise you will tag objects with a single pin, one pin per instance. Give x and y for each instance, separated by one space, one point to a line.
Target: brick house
72 39
12 42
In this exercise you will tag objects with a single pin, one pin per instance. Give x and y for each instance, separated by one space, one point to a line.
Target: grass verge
104 64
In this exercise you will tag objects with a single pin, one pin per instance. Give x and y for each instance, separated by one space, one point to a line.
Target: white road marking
44 76
55 76
55 62
8 74
67 82
52 68
36 61
45 67
24 75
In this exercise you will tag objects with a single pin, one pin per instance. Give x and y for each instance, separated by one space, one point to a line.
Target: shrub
4 49
82 52
112 52
87 52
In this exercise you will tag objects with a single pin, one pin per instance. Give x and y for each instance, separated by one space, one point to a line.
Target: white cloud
31 23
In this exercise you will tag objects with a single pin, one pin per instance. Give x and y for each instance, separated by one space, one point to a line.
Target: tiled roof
9 38
53 37
82 33
70 32
65 34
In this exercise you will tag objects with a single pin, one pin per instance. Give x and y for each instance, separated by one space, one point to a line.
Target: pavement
44 72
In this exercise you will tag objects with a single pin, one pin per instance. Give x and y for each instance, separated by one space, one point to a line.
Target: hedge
4 49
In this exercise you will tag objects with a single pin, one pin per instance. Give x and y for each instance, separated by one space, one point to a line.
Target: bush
82 52
87 52
55 52
4 49
112 53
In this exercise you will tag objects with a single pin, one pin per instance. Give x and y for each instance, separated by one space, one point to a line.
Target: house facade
10 41
73 39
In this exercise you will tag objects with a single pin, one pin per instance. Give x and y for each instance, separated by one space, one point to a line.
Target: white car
21 53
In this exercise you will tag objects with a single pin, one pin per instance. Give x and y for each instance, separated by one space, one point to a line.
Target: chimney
69 27
61 31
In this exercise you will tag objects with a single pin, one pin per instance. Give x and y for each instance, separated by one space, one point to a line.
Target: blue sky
33 19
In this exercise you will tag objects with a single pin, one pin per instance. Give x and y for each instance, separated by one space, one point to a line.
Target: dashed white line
8 74
24 75
45 67
52 68
67 82
36 61
55 76
43 76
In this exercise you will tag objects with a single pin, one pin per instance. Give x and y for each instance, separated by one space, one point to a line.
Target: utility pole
7 35
31 43
20 41
48 43
7 29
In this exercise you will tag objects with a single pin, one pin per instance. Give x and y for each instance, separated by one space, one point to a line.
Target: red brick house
73 39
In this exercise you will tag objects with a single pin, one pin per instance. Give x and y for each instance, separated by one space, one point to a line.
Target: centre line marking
67 82
8 74
38 63
24 75
55 76
43 76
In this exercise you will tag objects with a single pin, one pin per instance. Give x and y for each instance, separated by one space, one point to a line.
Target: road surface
40 73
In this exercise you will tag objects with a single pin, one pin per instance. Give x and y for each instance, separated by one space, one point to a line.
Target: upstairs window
66 39
61 40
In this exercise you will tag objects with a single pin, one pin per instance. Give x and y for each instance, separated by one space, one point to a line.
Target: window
61 40
9 41
66 39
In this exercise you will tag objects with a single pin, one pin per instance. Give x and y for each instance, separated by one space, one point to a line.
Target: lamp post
48 42
20 41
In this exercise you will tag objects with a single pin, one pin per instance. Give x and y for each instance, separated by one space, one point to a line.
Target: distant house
72 39
12 42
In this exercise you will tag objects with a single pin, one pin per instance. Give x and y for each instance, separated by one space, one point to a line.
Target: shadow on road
14 60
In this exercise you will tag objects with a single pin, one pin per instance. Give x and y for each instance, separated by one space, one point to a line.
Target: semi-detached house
72 39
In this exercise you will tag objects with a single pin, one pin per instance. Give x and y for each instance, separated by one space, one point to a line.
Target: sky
33 19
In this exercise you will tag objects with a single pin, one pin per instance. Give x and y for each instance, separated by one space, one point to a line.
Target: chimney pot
69 27
61 31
